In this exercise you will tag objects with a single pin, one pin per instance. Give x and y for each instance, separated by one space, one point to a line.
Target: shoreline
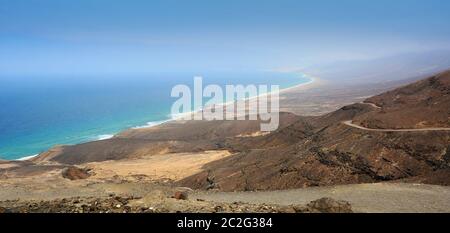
26 158
150 124
312 80
313 83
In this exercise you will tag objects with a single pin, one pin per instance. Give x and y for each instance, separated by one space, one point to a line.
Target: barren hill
172 137
422 104
303 152
324 151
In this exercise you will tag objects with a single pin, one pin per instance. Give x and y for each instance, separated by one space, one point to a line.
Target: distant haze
405 66
44 37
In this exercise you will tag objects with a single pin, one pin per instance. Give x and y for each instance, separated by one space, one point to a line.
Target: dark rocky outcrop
74 173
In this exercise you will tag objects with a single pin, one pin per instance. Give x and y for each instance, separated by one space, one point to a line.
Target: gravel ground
382 197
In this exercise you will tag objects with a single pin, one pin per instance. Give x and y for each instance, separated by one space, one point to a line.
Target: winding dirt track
372 104
349 123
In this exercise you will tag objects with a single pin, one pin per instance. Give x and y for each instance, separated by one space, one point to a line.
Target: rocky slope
322 151
422 104
303 152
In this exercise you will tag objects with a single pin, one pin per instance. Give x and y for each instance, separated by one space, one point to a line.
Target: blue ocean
38 113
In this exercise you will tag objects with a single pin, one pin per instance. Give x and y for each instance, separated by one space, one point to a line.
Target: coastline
302 86
314 82
27 157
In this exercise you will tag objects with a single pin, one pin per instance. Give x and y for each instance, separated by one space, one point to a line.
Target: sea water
38 112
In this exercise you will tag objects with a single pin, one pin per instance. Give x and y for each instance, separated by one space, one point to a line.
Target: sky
63 37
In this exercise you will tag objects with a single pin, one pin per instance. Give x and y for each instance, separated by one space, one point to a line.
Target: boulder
328 205
75 173
180 195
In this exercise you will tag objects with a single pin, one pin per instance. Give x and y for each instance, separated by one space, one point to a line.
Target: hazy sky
40 37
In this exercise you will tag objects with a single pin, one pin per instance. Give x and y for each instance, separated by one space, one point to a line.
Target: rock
180 195
328 205
74 173
218 208
210 183
122 200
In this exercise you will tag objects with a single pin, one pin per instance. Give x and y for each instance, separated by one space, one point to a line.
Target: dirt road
350 123
383 197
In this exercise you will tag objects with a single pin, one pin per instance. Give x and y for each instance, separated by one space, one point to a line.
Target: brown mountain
422 104
358 143
324 151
